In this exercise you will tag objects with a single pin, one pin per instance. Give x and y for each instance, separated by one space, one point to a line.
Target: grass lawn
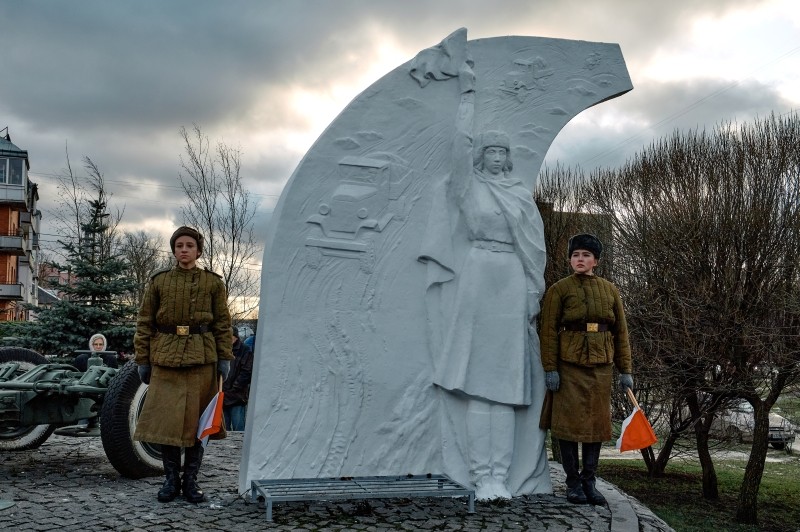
677 498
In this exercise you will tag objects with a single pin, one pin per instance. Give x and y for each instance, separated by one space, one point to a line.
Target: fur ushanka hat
488 139
587 242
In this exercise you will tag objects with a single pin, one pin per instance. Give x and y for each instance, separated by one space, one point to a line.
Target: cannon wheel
121 407
29 437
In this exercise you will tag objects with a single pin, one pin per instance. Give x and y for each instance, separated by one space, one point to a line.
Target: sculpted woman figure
487 342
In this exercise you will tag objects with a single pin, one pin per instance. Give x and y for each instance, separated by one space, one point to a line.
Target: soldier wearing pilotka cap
583 336
183 346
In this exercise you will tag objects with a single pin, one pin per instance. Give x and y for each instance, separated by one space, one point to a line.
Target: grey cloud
117 79
145 63
704 102
150 62
655 110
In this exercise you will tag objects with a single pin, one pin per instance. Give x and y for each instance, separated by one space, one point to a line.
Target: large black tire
121 407
779 445
16 438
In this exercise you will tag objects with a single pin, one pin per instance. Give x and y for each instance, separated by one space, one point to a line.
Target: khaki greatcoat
581 408
184 368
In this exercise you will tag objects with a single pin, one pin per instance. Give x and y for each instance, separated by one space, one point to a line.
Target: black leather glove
625 382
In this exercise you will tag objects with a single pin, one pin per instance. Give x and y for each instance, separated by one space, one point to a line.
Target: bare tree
73 210
143 252
705 229
224 211
562 198
107 244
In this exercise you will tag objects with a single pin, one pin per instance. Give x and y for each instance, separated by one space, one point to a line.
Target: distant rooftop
46 297
9 149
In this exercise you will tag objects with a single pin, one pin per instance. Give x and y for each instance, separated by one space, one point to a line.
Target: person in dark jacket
237 386
583 336
183 348
250 341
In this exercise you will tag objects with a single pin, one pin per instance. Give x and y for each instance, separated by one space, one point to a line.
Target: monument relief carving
485 234
403 270
368 196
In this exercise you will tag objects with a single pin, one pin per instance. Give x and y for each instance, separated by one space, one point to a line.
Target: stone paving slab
67 484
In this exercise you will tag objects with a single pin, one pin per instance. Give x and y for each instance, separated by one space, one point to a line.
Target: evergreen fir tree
92 302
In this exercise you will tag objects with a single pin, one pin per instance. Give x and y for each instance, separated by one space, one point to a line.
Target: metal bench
344 488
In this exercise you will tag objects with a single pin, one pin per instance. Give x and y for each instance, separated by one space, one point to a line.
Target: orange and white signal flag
211 418
636 430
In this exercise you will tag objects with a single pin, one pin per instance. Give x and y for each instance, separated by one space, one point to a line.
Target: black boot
194 457
171 458
591 457
569 460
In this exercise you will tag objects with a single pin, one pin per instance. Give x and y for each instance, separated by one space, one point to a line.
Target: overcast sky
115 81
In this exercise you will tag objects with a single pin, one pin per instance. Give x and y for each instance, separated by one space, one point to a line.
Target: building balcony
13 195
13 245
25 260
28 221
11 292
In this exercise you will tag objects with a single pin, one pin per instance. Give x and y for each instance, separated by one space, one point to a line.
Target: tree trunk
660 463
710 488
649 459
747 510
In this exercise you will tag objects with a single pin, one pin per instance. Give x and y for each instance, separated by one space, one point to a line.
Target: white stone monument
403 264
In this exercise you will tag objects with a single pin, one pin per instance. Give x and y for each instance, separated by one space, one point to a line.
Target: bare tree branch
144 255
224 211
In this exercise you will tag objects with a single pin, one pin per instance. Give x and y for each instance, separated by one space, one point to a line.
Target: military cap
187 231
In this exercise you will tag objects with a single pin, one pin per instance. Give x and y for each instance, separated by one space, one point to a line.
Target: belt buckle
592 327
182 330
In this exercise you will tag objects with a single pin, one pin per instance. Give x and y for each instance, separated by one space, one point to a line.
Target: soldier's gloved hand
625 382
224 367
552 380
144 373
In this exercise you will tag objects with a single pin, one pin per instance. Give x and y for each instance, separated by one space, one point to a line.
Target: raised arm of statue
461 173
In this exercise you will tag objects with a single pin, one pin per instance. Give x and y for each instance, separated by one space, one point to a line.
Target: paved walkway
67 484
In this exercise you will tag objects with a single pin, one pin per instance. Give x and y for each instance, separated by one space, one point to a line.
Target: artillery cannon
37 397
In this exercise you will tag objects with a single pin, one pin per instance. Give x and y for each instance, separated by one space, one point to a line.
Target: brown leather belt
182 330
586 327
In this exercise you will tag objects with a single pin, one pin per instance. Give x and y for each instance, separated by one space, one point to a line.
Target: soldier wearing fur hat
583 336
183 346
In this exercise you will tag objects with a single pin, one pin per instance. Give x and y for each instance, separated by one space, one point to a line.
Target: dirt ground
737 452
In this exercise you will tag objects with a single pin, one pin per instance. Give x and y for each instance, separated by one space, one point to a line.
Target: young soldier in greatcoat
183 345
583 335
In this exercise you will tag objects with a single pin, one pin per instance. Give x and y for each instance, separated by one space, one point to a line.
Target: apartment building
19 232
